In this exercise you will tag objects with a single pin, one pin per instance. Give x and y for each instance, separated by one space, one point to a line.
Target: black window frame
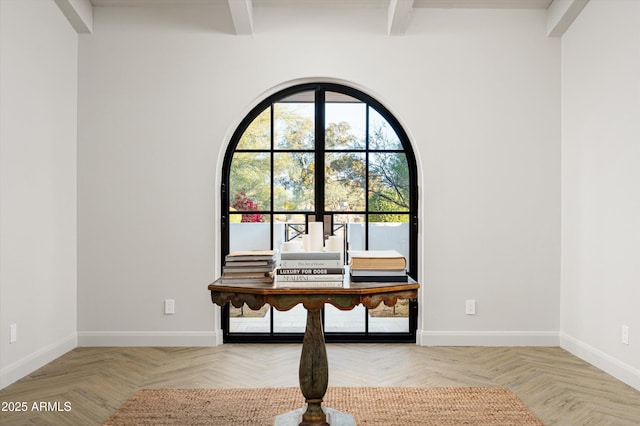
320 88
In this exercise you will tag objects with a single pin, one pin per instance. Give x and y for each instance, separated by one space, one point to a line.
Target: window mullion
319 151
271 193
366 180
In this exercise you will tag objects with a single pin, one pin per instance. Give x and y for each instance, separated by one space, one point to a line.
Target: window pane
353 225
250 236
390 235
293 181
337 321
287 227
390 319
344 181
388 182
258 134
246 320
250 182
247 217
294 122
345 122
292 321
381 134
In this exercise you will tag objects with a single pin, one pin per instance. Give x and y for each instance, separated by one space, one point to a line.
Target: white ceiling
560 13
490 4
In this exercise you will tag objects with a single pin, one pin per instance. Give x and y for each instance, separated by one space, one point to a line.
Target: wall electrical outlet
13 333
625 334
169 306
470 307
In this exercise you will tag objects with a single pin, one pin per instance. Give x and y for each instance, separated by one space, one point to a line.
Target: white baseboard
487 338
19 369
149 338
621 371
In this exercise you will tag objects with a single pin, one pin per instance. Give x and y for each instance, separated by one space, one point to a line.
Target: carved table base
314 366
314 370
314 379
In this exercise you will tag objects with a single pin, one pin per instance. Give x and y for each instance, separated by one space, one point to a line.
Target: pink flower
243 203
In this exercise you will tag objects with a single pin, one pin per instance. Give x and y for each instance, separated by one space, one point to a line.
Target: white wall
488 133
38 125
161 90
600 187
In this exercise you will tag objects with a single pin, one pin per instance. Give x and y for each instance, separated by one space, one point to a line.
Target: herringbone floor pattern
558 387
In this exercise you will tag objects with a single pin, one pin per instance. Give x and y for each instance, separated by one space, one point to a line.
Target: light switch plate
13 333
470 307
169 306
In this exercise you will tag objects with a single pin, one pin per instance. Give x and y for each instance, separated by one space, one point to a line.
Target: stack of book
251 266
310 269
377 266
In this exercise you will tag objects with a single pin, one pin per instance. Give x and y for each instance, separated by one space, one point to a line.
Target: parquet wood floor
559 388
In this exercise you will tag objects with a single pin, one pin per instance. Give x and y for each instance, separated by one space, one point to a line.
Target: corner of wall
621 371
37 359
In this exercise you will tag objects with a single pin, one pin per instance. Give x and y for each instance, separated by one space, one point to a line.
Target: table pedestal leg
314 370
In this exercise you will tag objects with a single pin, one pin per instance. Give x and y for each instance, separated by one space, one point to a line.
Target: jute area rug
392 406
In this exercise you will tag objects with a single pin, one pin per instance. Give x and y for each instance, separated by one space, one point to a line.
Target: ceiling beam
561 14
399 16
242 15
79 13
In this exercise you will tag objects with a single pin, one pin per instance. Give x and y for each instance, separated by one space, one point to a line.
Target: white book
309 278
310 255
309 284
309 271
311 263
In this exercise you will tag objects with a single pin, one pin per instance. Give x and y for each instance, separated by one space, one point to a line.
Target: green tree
340 136
294 172
258 134
345 174
389 186
293 177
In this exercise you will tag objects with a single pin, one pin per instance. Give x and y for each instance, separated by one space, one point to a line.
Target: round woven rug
395 406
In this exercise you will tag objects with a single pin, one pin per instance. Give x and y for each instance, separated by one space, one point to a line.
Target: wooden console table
314 367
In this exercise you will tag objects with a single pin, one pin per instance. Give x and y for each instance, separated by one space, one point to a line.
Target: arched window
321 152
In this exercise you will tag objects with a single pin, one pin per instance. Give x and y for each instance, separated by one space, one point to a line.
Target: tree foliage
294 172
